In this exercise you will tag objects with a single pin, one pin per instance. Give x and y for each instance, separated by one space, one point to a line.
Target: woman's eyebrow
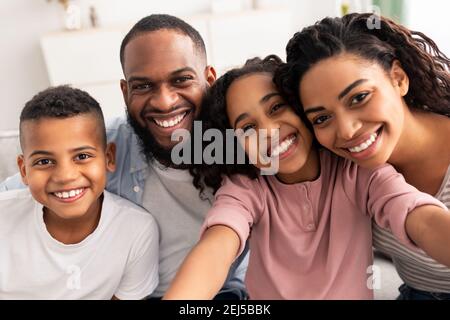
350 87
314 109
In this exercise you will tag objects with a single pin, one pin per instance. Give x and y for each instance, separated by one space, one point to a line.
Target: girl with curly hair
309 225
375 96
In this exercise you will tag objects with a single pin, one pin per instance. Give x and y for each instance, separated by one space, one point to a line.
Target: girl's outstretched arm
429 227
205 269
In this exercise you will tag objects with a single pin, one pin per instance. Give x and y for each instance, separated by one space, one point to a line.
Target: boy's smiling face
64 164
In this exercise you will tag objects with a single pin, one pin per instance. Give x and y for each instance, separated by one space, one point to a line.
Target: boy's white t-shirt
120 258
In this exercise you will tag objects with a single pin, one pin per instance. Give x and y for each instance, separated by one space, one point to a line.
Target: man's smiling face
166 78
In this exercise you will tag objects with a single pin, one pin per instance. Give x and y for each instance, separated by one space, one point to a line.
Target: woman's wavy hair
426 66
214 115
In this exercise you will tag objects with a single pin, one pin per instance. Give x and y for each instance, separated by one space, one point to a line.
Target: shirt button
310 227
136 189
305 207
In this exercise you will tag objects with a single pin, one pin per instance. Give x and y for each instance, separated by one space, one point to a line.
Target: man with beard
166 76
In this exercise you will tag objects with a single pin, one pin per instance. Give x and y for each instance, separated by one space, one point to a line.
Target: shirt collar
138 161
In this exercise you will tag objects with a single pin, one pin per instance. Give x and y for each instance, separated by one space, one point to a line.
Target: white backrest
9 149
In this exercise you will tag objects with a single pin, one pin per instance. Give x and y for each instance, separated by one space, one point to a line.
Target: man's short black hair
62 102
157 22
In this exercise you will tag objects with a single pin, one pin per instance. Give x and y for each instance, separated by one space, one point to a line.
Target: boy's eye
82 156
359 98
320 120
43 162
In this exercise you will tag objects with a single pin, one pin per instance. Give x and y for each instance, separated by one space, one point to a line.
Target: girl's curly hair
213 115
426 66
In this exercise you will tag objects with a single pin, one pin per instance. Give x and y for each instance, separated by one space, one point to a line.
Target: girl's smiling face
356 107
253 102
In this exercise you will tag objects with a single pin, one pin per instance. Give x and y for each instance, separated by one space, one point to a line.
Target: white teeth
171 122
363 146
68 194
283 147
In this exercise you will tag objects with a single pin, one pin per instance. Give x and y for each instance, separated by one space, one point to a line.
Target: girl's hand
205 269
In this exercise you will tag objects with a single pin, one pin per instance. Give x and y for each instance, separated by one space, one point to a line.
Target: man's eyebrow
138 78
242 116
181 70
350 87
173 73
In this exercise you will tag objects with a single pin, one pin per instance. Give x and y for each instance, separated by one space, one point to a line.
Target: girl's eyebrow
350 87
242 116
268 96
263 100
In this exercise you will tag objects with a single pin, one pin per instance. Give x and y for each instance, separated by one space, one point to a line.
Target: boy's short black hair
62 102
156 22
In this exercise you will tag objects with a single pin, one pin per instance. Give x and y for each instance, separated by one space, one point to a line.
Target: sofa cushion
9 149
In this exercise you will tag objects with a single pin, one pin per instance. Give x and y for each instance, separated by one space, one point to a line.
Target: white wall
22 66
23 22
432 18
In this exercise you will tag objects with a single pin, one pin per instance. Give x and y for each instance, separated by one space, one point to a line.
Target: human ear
22 169
399 78
124 88
111 157
210 75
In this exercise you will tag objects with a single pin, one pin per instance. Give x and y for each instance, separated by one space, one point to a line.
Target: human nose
271 128
164 99
65 172
269 132
347 126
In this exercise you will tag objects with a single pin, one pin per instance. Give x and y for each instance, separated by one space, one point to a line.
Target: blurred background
52 42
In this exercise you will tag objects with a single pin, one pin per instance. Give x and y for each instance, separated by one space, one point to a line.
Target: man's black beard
151 149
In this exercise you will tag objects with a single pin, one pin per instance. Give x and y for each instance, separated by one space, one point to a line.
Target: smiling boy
65 237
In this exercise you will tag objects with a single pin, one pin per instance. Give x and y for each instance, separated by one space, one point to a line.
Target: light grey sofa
9 149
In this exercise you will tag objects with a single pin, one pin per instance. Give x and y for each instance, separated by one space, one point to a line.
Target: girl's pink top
313 240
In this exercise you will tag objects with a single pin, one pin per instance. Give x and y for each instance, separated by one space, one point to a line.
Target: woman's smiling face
356 107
